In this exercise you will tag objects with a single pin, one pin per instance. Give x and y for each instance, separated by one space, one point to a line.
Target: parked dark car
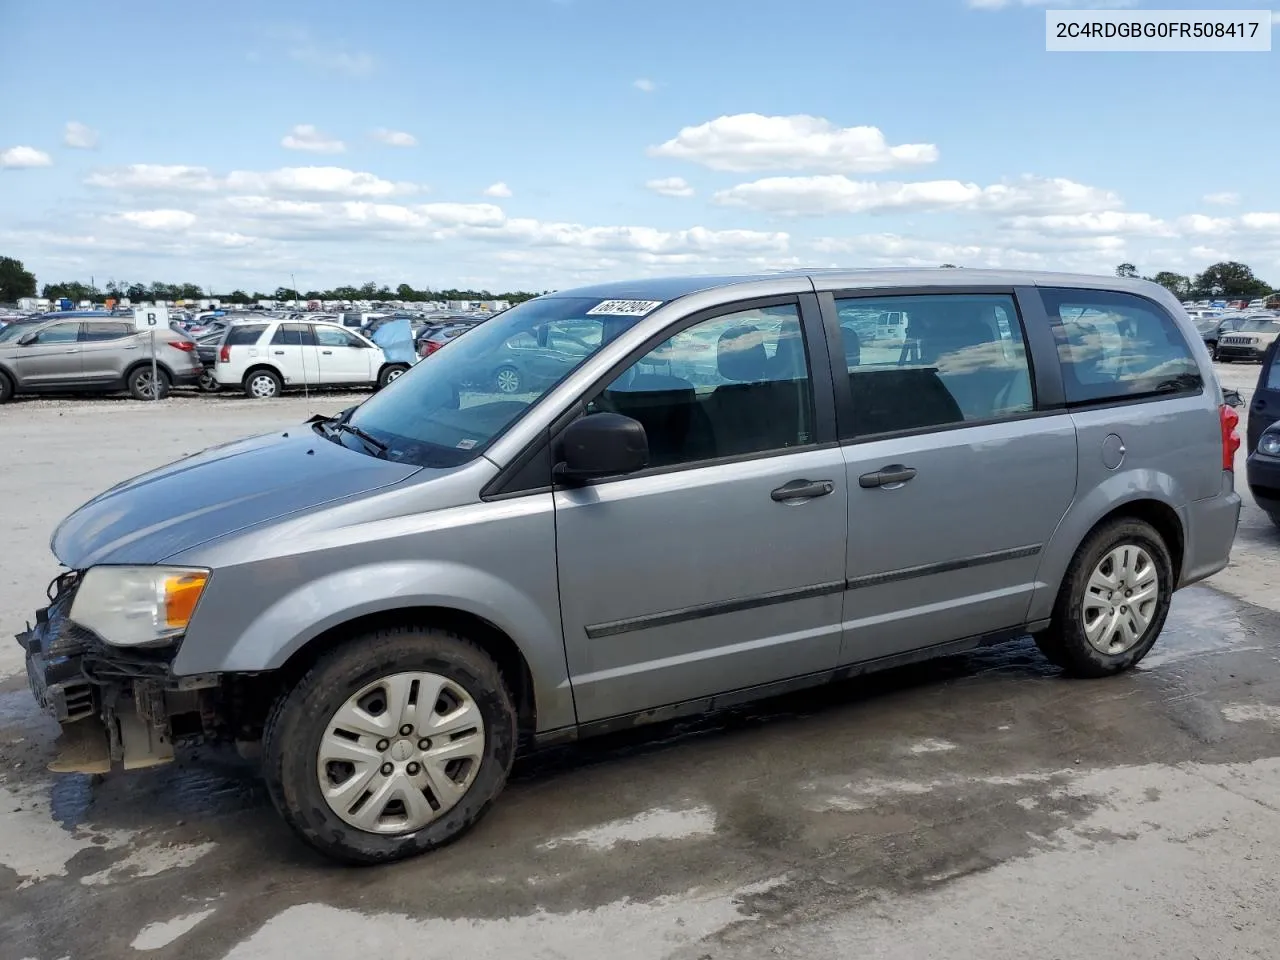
534 358
1263 444
434 337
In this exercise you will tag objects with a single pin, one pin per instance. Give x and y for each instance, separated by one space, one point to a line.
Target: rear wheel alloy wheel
508 380
391 373
391 745
262 385
143 387
1113 601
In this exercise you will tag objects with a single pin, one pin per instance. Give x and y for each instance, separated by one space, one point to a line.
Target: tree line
1228 280
16 281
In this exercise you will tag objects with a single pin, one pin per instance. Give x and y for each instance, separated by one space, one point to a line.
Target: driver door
54 357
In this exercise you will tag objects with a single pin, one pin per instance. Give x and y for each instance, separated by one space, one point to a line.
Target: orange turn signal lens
181 593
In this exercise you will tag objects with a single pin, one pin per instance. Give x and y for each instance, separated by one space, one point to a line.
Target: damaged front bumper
117 707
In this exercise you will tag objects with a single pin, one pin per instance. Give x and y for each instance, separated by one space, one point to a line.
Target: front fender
1128 486
300 615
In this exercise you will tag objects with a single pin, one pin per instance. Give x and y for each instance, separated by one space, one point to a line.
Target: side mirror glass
602 445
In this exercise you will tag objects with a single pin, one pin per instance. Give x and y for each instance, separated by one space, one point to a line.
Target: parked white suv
266 357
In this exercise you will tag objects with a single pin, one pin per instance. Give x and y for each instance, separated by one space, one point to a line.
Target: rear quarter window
244 336
1118 346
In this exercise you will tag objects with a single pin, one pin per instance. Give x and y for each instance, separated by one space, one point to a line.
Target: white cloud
645 85
499 189
834 193
154 178
78 136
159 219
1107 222
24 158
1224 199
1198 223
670 187
305 136
395 138
1261 221
318 180
749 142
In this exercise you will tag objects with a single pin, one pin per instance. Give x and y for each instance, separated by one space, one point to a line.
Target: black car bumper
186 378
1227 351
1264 481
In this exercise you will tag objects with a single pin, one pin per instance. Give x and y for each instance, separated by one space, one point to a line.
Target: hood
217 492
396 340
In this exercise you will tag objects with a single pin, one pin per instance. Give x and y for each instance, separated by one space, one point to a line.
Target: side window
731 385
1116 346
523 341
59 333
928 361
334 337
97 332
294 335
240 336
577 340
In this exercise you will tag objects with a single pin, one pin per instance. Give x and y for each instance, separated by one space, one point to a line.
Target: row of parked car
1237 336
259 354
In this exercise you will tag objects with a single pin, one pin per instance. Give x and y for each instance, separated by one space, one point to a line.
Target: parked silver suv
708 496
92 355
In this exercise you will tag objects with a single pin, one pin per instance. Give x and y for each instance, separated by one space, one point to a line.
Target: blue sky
543 143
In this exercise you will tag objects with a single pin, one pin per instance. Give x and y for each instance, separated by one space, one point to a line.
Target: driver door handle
893 475
327 353
802 490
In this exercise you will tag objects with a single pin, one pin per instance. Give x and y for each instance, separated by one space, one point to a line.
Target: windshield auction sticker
624 308
1158 31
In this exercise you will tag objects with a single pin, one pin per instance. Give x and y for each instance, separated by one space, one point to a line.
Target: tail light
1229 419
432 347
224 355
186 346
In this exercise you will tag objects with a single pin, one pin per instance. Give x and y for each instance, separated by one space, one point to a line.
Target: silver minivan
718 498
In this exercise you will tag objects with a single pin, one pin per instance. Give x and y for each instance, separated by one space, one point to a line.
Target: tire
6 388
139 383
207 383
1067 645
390 372
263 384
507 379
1213 351
302 725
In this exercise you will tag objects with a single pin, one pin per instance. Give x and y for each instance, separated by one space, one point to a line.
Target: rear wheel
263 384
508 380
390 746
392 371
142 386
1113 601
208 383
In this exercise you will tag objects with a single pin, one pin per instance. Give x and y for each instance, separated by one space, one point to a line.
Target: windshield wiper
373 443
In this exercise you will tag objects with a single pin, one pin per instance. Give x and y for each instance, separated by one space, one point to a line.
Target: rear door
107 349
1264 407
956 476
53 358
293 352
344 358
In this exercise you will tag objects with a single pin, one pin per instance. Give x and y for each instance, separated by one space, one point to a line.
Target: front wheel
142 386
208 383
390 746
1113 601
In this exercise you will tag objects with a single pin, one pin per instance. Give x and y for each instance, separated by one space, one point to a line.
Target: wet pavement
977 806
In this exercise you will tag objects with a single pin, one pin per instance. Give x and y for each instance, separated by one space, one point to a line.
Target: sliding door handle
894 475
802 490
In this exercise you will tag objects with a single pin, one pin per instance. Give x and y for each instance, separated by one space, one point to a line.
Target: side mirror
602 445
28 338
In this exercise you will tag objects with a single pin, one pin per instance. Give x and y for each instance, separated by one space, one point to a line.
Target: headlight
1269 443
138 606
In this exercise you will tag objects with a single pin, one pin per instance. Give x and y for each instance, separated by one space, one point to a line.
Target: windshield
451 404
1259 326
14 330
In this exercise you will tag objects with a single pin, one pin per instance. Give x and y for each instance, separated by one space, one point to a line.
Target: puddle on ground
1201 621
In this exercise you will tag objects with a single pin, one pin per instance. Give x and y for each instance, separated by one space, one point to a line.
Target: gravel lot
979 806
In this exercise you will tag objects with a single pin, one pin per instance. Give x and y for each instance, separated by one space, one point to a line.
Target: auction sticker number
624 308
